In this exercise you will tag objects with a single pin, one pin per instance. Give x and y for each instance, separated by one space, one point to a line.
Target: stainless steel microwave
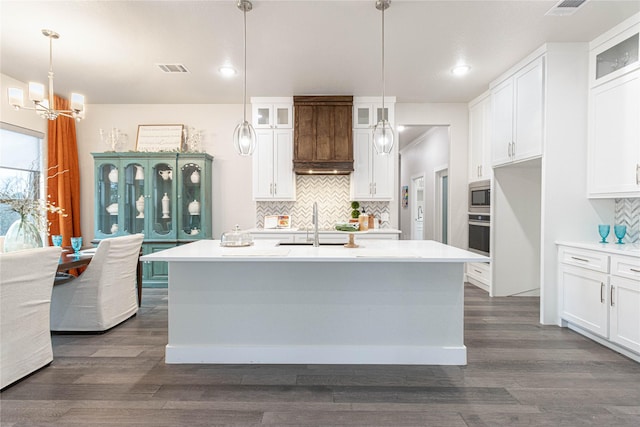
480 197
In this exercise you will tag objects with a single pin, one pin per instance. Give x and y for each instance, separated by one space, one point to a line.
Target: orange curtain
63 175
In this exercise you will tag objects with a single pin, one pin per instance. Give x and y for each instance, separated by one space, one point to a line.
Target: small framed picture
405 196
159 138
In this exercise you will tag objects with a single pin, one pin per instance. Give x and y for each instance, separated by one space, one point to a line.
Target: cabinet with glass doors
165 196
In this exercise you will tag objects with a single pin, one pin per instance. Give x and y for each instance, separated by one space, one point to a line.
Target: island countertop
270 251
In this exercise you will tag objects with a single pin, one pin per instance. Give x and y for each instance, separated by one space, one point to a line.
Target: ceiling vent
173 68
565 7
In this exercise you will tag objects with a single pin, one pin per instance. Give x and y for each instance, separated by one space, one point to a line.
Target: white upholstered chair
26 279
105 294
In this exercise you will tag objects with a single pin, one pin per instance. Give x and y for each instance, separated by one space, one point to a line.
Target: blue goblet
620 231
76 244
604 229
56 239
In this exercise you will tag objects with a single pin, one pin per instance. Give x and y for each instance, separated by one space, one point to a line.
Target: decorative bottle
165 206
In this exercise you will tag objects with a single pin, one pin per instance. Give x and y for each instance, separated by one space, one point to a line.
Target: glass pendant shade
383 137
244 139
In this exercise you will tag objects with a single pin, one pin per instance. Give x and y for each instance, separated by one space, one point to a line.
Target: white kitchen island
386 302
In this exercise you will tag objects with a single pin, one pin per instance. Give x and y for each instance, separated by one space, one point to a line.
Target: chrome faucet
314 219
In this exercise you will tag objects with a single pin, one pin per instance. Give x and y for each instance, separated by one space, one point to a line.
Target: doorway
423 152
441 203
417 208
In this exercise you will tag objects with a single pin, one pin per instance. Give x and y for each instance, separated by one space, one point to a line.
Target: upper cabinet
518 115
373 174
480 138
614 113
272 113
368 111
322 134
157 194
273 177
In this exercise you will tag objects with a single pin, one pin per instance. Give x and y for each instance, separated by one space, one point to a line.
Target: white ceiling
107 49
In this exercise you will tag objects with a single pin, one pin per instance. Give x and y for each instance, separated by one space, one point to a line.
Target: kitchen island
386 302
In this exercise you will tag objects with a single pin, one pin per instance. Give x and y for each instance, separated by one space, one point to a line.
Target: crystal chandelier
44 107
244 136
382 132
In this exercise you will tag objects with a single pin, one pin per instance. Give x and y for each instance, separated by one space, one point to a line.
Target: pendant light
383 136
244 136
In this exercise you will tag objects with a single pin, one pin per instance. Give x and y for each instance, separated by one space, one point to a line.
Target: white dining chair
26 279
105 294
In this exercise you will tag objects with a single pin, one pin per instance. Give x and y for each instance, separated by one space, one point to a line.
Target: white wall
23 118
423 156
456 116
231 186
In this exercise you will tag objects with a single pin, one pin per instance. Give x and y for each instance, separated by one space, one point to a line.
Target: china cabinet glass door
108 192
190 199
162 213
135 196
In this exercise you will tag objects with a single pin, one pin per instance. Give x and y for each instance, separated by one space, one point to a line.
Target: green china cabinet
165 196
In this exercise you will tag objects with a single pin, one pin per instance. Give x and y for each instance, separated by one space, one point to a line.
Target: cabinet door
284 178
263 165
476 136
155 273
382 175
192 199
502 123
614 132
361 185
161 222
529 111
262 116
136 195
625 312
283 116
584 299
388 113
363 116
108 201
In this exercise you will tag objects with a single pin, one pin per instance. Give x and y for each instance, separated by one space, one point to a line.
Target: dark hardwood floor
519 373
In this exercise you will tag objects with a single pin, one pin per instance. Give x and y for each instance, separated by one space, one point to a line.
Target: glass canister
235 238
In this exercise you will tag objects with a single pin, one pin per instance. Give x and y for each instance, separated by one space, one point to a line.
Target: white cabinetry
367 111
372 178
272 113
600 295
273 176
518 115
373 174
479 274
614 113
480 138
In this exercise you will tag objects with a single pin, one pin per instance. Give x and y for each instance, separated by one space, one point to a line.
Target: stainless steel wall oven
479 217
479 233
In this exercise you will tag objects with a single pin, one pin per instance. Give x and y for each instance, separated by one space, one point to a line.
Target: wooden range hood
323 138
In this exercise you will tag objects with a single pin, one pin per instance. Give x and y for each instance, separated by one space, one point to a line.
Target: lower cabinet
600 296
155 274
479 274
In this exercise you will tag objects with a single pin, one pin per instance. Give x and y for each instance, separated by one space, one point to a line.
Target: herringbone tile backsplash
334 205
628 213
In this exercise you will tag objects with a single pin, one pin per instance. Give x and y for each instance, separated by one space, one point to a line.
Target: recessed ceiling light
227 71
399 128
460 70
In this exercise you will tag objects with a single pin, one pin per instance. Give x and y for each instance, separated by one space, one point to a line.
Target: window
20 165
